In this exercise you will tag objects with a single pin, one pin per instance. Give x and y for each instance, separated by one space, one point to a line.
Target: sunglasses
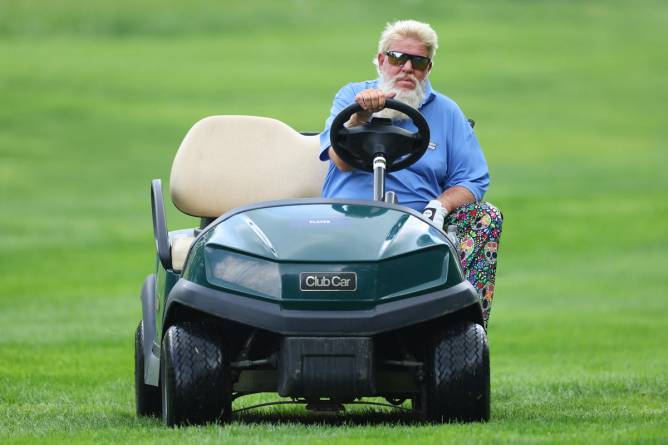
398 58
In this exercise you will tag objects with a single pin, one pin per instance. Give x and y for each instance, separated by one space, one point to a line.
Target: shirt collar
428 94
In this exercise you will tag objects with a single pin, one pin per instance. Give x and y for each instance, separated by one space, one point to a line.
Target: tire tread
199 387
459 375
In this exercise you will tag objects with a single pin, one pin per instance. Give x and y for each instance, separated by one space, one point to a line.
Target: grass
569 98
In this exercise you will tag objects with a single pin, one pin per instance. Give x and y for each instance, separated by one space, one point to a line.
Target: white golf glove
436 212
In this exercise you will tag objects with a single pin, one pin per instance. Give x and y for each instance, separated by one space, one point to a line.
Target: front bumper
271 317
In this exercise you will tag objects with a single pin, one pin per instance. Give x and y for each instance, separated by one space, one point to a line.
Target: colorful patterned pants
479 230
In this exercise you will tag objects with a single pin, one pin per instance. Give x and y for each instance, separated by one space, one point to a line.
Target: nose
407 67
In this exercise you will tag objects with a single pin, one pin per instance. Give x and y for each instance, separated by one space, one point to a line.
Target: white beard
412 98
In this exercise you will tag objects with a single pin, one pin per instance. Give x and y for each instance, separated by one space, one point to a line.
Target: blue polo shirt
454 156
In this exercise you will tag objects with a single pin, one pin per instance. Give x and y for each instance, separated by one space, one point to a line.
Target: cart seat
229 161
179 249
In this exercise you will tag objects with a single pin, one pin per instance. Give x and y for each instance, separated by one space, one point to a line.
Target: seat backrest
229 161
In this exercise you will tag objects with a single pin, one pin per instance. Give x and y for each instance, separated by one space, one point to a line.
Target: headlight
243 273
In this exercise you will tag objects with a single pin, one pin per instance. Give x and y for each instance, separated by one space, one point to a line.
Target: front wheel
194 374
458 383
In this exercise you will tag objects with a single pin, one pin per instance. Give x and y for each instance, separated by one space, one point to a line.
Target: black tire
147 397
458 384
194 376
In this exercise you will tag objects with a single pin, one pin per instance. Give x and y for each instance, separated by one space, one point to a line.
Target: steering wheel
358 146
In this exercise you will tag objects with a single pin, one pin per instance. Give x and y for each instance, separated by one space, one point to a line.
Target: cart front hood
324 255
325 233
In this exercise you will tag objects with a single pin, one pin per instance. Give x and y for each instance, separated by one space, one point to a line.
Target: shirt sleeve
467 166
343 98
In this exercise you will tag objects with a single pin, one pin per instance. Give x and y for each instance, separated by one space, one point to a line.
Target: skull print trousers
478 230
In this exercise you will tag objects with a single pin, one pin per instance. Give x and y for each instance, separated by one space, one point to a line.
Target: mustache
412 97
399 77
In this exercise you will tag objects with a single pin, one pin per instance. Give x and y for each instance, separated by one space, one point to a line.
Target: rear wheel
194 375
147 397
458 386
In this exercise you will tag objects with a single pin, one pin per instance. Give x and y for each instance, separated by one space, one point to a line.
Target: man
449 181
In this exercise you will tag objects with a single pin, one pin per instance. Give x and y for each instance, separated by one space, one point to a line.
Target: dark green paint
260 253
327 233
164 282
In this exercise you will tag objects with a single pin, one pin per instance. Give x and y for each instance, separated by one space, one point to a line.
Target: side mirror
160 233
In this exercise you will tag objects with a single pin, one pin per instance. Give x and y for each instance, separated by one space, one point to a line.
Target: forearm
356 119
340 163
456 196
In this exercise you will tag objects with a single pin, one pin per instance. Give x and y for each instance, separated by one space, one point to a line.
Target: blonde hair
409 28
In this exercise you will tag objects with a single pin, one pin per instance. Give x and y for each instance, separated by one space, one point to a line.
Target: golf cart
323 301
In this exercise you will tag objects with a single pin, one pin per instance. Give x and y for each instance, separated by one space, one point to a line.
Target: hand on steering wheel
371 100
358 146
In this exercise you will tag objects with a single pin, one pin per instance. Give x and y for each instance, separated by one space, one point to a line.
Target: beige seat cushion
229 161
180 247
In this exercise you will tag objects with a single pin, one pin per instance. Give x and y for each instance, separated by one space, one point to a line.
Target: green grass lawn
570 100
